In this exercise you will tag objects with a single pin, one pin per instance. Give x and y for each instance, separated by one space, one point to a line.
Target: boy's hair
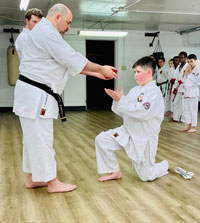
175 57
145 63
34 11
162 58
183 53
192 56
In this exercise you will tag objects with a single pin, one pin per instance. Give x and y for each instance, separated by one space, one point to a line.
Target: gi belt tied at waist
49 91
160 85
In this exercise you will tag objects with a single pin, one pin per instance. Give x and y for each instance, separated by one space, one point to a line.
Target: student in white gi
178 88
162 80
191 80
48 59
32 17
170 74
142 111
172 82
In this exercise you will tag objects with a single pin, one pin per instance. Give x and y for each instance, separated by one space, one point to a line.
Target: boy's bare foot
55 186
30 184
172 120
192 130
112 176
185 130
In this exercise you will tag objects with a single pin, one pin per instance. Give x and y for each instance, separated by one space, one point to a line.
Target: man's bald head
58 8
61 17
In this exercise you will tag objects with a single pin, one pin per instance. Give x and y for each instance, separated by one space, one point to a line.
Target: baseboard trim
6 109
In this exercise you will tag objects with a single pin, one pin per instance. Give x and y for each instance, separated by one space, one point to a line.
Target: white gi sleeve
64 54
114 108
194 77
151 104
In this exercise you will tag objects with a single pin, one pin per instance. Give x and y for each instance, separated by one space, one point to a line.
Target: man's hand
109 72
115 95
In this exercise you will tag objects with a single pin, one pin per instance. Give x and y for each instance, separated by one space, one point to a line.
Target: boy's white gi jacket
162 74
142 111
191 82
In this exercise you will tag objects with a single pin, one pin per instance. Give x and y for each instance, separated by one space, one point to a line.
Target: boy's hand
115 95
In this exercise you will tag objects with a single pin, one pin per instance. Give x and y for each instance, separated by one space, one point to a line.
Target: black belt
159 84
49 91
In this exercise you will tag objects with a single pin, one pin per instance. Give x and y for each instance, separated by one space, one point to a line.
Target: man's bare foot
192 130
112 176
30 184
55 186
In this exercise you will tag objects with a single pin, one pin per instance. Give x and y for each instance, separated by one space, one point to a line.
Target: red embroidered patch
115 134
42 112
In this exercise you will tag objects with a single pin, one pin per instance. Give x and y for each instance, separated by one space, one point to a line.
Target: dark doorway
101 52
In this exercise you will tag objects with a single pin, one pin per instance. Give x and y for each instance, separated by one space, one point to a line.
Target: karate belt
49 91
179 83
172 81
162 83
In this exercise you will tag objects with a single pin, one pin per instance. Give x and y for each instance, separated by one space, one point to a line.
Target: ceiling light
103 33
24 4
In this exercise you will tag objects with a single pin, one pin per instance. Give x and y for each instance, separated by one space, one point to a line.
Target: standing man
191 79
162 79
46 64
178 88
32 17
172 82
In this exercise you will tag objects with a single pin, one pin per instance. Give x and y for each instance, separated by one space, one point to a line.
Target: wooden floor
168 199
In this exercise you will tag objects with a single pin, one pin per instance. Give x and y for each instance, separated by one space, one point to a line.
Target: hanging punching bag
12 65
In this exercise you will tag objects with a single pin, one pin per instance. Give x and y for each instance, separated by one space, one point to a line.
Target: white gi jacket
162 76
19 43
191 83
179 77
142 111
48 59
171 73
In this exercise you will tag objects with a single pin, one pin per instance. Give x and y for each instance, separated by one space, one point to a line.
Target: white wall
128 50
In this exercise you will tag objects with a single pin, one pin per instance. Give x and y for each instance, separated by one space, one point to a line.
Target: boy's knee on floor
146 176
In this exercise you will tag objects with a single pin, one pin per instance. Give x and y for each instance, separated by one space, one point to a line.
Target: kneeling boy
142 111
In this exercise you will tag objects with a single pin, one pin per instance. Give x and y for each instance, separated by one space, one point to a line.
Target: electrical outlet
123 67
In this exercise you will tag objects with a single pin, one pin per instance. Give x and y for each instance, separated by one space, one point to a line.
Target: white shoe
183 173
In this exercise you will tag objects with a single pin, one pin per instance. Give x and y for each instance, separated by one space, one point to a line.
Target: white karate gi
19 43
171 76
142 111
162 76
47 59
191 94
178 101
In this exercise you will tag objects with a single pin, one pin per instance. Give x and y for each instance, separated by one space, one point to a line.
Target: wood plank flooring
170 199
